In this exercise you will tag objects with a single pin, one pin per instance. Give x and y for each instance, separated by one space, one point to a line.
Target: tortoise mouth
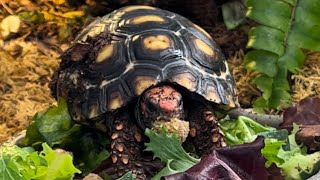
161 103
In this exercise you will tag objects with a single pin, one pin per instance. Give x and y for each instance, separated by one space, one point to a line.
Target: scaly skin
205 133
165 103
126 146
160 103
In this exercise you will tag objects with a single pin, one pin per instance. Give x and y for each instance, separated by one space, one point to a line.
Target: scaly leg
205 132
126 146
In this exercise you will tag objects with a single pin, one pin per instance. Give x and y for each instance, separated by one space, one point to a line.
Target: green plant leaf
168 148
59 164
260 105
242 130
280 148
291 2
305 29
233 13
127 176
32 17
293 59
275 91
270 152
9 169
26 163
280 80
308 165
170 168
292 158
264 83
266 38
53 126
261 61
271 13
56 128
280 97
94 149
284 28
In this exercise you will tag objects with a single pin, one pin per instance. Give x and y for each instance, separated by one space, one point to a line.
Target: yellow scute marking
212 94
186 80
94 31
205 48
115 103
232 102
105 53
146 18
132 8
93 111
202 30
158 42
142 83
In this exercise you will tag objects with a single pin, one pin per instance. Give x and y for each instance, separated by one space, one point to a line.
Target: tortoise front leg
205 132
126 146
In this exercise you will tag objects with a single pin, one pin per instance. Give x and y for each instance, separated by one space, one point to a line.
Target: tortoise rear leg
205 132
126 146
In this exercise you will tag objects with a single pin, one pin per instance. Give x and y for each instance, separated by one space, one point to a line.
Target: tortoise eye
151 107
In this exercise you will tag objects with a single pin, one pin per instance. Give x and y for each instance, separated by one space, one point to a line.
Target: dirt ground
30 56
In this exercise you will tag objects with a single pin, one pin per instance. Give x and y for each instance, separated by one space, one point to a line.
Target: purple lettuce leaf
243 161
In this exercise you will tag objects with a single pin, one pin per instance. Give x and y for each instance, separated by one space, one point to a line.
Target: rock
10 26
92 176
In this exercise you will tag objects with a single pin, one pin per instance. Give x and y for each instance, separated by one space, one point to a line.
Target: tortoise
140 64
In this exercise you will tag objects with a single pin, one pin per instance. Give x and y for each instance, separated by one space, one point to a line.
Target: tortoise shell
118 56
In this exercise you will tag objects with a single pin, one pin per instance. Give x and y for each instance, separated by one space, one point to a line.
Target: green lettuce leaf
291 158
53 126
59 164
270 152
168 148
56 128
244 130
127 176
26 163
9 168
93 150
280 148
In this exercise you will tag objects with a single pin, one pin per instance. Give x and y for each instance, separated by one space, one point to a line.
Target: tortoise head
159 103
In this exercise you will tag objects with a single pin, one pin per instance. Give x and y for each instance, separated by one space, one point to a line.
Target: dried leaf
48 16
306 115
59 2
73 14
310 136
